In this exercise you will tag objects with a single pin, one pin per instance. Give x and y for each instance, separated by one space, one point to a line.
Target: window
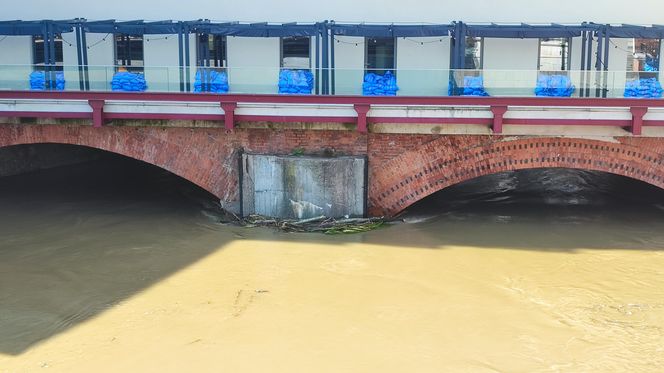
474 56
129 52
643 55
212 50
38 52
554 54
296 52
380 55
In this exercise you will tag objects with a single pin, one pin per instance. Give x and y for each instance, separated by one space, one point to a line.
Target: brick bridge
414 146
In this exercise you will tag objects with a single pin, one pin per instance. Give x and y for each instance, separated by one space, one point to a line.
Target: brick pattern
403 168
208 157
438 164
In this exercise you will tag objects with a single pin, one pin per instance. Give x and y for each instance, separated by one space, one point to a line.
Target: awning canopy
390 30
19 27
525 31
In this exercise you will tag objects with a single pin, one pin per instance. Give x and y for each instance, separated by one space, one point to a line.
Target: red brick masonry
403 168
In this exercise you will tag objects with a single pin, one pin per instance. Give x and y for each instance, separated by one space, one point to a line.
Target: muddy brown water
109 266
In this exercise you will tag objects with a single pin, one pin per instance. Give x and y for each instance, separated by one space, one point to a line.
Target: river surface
110 266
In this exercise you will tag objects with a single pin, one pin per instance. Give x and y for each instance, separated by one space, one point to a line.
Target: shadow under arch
170 149
414 175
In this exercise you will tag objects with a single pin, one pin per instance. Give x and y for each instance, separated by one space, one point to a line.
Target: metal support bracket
229 114
362 110
638 112
97 112
498 112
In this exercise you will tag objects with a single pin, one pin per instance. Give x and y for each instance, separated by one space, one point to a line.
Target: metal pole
589 56
52 53
332 64
317 69
84 49
180 57
598 63
79 57
582 65
605 75
325 60
186 58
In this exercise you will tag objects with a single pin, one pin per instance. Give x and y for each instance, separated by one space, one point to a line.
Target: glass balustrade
339 81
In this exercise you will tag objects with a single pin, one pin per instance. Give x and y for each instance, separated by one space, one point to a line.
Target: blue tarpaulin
129 82
643 88
38 80
380 85
211 81
554 86
296 82
473 86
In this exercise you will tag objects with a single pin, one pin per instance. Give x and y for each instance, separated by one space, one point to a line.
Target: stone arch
173 149
419 173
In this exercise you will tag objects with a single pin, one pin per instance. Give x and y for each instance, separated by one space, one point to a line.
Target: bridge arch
172 149
416 174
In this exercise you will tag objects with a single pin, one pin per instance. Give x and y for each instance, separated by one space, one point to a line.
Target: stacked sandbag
554 86
211 81
38 80
643 88
380 85
473 86
128 82
296 82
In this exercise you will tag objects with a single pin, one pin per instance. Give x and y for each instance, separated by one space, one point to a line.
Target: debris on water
321 224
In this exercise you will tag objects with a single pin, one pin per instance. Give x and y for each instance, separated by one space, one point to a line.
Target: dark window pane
473 55
38 51
129 52
380 55
296 52
211 50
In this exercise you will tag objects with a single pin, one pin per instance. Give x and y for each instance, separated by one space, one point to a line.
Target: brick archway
416 174
173 149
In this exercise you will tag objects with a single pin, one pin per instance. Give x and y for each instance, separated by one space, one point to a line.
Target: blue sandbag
380 85
643 88
215 81
473 86
554 86
128 82
38 81
296 82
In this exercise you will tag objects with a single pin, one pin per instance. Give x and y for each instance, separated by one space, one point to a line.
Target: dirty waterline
107 267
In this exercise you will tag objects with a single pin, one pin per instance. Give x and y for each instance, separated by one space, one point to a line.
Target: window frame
366 55
481 40
281 51
129 67
59 43
213 61
568 60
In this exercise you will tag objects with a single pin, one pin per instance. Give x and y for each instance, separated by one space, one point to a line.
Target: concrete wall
253 64
16 51
508 57
422 66
303 187
349 65
562 11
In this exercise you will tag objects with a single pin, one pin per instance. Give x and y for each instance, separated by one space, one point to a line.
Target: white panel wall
349 65
618 64
253 64
160 54
442 11
516 65
16 51
423 66
100 59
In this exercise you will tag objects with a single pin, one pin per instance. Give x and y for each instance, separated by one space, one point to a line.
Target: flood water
110 266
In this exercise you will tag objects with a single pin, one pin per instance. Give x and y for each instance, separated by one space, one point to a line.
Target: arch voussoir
417 174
